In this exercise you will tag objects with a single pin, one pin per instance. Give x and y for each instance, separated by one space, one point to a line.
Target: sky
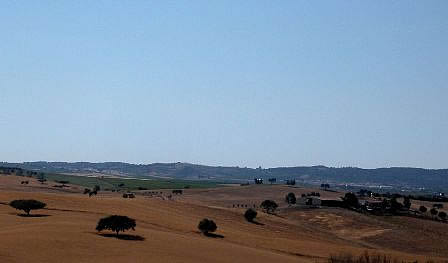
235 83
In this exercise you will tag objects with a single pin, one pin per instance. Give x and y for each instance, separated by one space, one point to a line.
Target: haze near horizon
252 83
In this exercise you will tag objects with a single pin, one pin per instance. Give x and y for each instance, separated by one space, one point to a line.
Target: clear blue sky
248 83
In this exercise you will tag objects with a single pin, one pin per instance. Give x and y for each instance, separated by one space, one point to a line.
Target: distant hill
398 177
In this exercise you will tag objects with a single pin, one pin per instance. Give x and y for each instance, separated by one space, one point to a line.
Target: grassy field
130 184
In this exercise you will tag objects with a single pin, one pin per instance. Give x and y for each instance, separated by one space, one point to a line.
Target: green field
130 184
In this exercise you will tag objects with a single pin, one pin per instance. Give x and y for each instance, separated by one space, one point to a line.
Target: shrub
433 211
350 200
423 209
206 226
27 205
42 180
116 223
63 182
407 202
364 258
442 215
269 206
250 214
291 198
395 206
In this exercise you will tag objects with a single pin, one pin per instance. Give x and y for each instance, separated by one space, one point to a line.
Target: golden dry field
167 229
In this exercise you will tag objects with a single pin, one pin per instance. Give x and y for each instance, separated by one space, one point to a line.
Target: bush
27 205
423 209
63 182
116 223
350 200
442 215
433 211
269 206
42 180
291 198
364 258
206 226
250 214
407 202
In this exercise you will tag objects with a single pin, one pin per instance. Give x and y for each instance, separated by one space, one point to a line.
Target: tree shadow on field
123 236
212 235
256 223
32 215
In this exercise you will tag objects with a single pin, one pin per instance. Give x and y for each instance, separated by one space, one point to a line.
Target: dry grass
367 257
167 230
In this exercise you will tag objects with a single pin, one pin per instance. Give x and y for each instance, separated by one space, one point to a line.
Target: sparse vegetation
129 184
116 223
206 226
366 257
27 205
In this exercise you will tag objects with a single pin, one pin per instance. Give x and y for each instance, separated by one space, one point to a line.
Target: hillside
400 178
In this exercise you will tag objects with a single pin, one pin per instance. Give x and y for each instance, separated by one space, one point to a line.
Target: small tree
325 186
351 200
291 198
269 206
291 182
27 205
433 211
395 206
442 215
423 209
206 226
116 223
250 214
96 188
407 202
